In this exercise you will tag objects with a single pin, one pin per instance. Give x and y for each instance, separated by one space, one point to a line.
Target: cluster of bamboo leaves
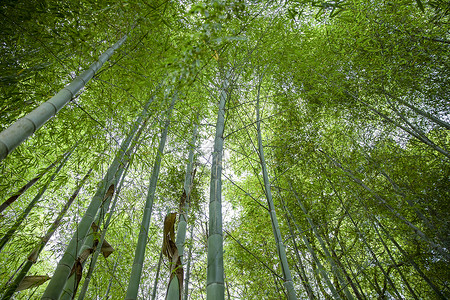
318 132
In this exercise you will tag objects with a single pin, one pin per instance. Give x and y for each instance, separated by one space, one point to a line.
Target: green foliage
340 77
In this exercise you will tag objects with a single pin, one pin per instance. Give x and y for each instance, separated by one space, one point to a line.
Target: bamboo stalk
24 188
215 286
19 131
188 181
188 267
136 270
70 287
34 255
64 267
102 238
158 269
173 290
31 205
287 278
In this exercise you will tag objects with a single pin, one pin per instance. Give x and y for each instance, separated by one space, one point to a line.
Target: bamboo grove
224 149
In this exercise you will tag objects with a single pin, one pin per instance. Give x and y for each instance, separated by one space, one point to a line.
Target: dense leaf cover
354 114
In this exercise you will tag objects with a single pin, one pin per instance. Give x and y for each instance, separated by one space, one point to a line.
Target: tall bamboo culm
288 284
173 291
31 205
215 288
64 267
188 267
71 286
34 255
155 282
20 130
122 176
188 180
136 270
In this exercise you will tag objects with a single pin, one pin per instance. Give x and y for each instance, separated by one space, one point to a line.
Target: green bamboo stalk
69 288
215 286
19 131
112 277
64 267
304 277
34 255
188 181
316 260
287 278
188 267
71 284
416 230
336 270
173 290
120 174
108 289
136 270
24 188
31 205
102 238
316 272
91 243
158 269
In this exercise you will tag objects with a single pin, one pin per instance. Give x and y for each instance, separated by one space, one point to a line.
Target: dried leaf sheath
31 282
171 252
